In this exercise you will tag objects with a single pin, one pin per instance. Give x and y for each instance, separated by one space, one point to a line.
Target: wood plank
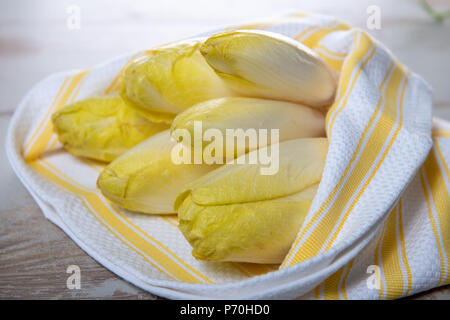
35 255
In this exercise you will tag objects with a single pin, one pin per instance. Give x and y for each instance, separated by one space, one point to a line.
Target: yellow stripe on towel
390 258
41 141
438 203
351 70
150 249
334 286
312 39
49 111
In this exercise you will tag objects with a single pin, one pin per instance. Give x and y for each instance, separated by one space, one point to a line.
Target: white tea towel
379 226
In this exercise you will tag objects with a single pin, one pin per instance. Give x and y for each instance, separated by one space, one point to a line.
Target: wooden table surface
35 41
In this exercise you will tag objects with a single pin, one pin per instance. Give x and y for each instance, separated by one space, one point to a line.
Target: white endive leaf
268 65
290 119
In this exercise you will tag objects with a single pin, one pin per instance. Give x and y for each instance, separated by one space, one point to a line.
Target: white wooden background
35 42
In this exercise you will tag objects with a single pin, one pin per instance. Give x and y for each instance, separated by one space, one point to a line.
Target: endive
170 79
269 65
292 120
236 214
102 128
145 179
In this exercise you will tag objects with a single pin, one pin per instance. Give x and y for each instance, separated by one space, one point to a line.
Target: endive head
102 128
247 117
269 65
145 178
236 214
170 79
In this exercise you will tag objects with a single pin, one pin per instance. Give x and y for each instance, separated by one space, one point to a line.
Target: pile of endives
236 79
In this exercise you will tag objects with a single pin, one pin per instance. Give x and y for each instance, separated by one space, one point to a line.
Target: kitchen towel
379 227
